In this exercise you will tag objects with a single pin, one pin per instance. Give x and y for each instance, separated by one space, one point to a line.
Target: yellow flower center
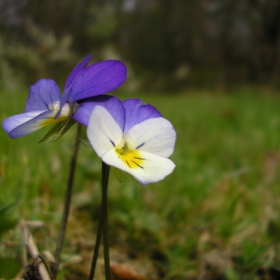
131 157
66 112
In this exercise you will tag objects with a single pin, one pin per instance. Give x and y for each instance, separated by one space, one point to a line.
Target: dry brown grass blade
34 252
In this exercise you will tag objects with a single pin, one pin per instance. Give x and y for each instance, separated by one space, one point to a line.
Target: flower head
131 136
45 106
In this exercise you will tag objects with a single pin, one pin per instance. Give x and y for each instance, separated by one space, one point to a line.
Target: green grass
216 216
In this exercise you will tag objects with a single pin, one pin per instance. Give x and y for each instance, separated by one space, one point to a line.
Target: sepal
58 130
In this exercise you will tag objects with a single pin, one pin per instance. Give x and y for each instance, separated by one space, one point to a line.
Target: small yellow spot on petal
131 158
66 112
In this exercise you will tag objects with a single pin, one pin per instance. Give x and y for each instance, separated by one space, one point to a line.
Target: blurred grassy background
167 45
212 68
216 216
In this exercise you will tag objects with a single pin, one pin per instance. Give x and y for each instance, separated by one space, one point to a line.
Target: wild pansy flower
45 106
131 136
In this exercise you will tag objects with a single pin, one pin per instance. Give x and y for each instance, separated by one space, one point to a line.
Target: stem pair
102 225
67 200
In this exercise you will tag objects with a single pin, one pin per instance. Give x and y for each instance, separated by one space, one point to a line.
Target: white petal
155 135
14 121
24 124
103 131
153 168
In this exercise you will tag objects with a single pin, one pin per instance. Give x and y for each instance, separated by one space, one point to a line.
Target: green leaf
8 206
118 174
85 142
7 223
58 130
9 268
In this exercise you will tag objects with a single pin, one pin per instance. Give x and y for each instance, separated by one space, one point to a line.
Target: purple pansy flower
131 136
45 105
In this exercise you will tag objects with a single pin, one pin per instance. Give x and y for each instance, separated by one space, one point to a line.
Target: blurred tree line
168 45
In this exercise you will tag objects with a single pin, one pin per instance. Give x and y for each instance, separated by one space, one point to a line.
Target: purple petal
112 104
42 94
23 124
98 78
76 70
137 112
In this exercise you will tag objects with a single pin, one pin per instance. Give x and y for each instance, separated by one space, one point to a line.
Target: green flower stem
102 227
67 200
105 179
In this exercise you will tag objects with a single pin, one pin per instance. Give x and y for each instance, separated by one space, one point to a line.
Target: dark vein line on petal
112 143
137 164
140 145
139 158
